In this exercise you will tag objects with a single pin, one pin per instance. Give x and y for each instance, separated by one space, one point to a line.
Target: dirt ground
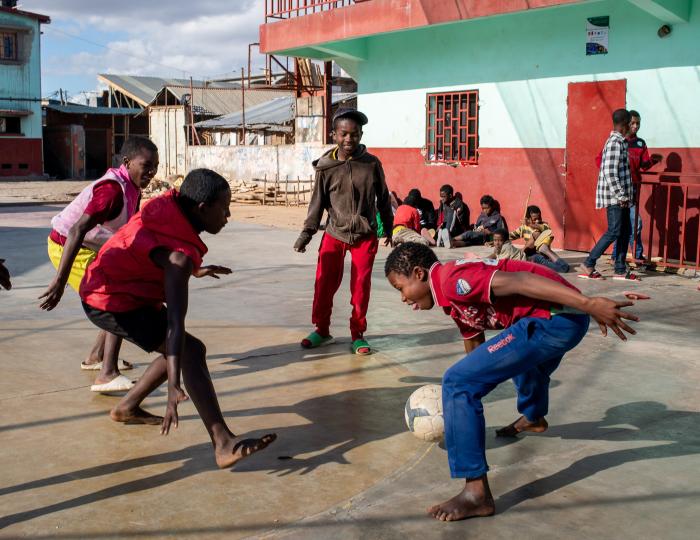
63 191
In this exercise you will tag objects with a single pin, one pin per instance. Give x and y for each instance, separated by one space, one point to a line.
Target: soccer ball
424 413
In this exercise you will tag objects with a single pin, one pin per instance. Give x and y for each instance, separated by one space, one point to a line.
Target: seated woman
488 221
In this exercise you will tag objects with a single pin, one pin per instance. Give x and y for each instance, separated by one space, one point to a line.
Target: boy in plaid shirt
614 193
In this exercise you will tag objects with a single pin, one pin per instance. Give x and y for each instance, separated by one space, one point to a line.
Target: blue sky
175 38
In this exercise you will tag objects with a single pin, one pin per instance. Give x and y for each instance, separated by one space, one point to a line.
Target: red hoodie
123 277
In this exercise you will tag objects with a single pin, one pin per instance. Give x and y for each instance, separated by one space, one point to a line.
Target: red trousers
329 275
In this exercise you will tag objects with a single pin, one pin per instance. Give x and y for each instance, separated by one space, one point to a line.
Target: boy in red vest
80 230
542 317
146 264
350 186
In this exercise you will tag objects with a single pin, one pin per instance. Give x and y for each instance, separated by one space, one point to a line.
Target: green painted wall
529 45
23 80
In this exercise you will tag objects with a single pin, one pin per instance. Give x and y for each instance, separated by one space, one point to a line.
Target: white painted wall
532 113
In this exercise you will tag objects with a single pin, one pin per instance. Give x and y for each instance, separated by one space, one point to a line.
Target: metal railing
287 9
670 211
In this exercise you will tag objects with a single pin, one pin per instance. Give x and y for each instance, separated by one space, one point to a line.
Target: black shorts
145 327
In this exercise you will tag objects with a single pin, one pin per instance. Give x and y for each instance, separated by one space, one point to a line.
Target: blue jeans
528 352
639 252
618 231
560 265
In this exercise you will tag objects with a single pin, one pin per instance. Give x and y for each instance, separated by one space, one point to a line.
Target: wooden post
298 188
264 189
286 191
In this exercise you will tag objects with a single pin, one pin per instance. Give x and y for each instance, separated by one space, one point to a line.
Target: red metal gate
670 210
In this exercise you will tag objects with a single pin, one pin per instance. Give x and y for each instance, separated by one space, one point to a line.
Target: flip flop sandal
361 347
123 366
118 384
595 275
314 340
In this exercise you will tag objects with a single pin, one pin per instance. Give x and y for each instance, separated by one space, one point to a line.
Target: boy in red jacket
542 317
146 264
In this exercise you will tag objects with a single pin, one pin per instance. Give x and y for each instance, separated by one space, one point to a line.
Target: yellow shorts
82 260
545 237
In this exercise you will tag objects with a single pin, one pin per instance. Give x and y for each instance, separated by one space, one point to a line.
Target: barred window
452 127
8 46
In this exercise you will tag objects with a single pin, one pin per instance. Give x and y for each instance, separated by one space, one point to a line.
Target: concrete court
621 458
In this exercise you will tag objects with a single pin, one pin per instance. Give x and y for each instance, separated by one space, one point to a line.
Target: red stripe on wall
504 173
508 173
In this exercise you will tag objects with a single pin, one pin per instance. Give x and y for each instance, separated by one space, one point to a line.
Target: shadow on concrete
339 423
638 421
33 252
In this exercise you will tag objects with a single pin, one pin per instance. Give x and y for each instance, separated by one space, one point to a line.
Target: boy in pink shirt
80 230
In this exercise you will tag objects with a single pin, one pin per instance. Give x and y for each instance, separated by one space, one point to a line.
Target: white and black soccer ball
423 413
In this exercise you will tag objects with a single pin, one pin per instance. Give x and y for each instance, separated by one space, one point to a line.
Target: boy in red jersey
146 264
542 316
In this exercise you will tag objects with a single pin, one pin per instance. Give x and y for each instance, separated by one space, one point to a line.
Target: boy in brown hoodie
350 186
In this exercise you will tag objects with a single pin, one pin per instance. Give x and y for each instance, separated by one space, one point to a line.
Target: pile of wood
294 192
158 187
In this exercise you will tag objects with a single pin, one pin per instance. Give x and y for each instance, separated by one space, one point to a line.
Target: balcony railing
287 9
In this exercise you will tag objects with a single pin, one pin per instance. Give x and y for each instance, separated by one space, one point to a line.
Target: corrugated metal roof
74 108
145 89
273 113
218 101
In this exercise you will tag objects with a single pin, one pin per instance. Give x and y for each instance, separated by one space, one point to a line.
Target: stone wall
255 162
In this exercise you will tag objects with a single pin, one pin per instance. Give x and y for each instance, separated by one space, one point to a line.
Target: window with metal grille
8 46
452 127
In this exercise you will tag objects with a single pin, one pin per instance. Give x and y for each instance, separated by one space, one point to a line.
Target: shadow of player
638 421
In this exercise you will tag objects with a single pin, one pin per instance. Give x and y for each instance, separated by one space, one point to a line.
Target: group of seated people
416 220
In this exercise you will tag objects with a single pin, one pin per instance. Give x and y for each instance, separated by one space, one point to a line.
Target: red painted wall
20 157
504 173
507 174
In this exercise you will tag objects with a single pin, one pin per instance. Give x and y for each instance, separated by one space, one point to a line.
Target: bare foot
475 500
238 448
523 424
108 378
136 416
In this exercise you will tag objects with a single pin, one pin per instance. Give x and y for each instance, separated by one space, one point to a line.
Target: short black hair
447 188
487 199
501 232
134 145
407 256
202 186
635 114
621 116
413 198
533 209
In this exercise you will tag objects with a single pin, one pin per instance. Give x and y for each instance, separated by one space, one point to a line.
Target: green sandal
314 340
361 347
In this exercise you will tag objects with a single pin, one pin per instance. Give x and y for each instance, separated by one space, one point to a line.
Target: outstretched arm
606 312
52 295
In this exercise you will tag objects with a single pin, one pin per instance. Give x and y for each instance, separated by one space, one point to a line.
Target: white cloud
174 38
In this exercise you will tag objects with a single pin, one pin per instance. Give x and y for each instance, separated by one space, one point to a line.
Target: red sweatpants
329 275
